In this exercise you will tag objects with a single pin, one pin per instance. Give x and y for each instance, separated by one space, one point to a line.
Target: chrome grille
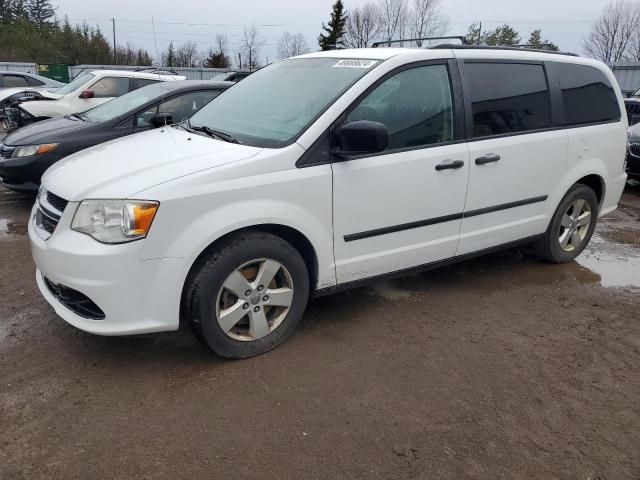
6 152
634 149
50 210
56 202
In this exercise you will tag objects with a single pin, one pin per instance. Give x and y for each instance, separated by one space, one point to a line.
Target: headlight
115 221
28 150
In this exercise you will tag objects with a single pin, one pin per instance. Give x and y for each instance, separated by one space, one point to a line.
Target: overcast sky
563 22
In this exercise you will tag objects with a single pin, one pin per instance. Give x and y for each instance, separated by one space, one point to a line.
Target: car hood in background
47 131
123 167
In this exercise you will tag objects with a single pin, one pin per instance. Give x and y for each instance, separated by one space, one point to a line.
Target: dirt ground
502 367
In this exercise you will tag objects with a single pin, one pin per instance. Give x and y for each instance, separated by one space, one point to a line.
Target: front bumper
25 173
136 296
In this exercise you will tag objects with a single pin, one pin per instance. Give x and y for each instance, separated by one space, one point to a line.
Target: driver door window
179 107
110 87
415 105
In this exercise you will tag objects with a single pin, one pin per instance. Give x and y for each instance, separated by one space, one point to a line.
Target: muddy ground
502 367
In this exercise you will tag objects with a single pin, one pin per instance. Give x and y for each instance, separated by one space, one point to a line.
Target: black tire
209 275
548 247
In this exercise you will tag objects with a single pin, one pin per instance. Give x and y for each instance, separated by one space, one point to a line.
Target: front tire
571 227
248 295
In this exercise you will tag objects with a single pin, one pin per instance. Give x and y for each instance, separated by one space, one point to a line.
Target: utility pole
480 33
115 59
239 61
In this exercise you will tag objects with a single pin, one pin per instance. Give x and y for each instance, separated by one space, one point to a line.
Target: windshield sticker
355 63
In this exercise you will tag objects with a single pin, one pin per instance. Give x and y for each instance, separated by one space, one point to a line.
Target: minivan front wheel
248 295
571 227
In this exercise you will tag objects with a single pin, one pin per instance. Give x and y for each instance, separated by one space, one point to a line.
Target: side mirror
361 137
87 94
161 119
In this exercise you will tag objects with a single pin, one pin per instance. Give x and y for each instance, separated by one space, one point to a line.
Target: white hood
123 167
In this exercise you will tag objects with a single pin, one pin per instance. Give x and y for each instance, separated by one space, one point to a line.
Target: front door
403 207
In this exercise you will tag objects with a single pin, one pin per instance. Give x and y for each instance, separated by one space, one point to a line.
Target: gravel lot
502 367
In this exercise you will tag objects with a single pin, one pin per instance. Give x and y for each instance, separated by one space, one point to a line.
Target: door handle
450 165
489 158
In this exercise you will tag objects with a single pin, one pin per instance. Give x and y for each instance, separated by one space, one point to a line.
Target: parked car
10 98
26 80
230 76
27 153
632 106
88 90
633 154
320 173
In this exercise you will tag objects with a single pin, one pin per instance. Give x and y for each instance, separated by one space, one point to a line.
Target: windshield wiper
215 133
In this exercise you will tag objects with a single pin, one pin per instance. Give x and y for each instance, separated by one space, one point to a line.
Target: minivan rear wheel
571 227
248 295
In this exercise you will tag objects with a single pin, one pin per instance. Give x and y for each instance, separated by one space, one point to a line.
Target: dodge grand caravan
324 171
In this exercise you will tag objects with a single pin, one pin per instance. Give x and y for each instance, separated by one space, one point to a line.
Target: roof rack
519 48
159 71
424 39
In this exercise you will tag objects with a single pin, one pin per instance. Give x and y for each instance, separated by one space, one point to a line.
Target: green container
54 71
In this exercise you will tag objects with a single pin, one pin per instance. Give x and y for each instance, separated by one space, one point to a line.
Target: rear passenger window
508 98
15 81
587 94
415 105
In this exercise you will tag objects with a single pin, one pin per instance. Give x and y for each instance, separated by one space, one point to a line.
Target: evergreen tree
535 41
169 59
331 39
504 35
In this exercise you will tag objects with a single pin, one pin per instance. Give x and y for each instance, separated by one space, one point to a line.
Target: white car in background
90 89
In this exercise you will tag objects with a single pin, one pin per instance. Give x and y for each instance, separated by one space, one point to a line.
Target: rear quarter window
587 94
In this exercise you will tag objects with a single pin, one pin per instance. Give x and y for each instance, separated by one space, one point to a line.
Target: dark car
632 105
633 154
27 153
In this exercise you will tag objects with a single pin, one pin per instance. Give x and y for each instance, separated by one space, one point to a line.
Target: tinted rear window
587 94
508 98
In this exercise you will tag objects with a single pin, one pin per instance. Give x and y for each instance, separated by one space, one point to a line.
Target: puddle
8 227
618 265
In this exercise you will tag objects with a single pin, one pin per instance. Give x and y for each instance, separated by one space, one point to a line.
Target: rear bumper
614 189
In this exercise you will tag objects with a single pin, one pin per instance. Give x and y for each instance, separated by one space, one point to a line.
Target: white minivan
324 171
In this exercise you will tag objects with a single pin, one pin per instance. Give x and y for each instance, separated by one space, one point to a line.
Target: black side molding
447 218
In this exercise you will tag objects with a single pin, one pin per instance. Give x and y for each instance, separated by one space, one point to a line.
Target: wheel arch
296 238
596 183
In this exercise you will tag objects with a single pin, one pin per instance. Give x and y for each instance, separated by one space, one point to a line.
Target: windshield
75 83
274 105
121 105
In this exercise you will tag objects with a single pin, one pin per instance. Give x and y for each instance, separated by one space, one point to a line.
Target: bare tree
427 20
250 46
612 35
187 55
363 26
394 18
291 45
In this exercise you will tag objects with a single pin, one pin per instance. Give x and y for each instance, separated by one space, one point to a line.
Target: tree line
30 32
386 20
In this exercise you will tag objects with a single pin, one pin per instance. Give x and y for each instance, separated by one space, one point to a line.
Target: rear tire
571 227
248 295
